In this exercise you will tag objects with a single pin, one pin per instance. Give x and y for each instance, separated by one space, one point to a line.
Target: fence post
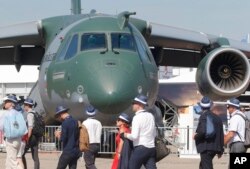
187 137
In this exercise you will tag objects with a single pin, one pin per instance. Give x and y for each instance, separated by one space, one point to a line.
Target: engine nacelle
224 73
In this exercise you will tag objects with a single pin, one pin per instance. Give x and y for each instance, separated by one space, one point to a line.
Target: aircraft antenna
75 7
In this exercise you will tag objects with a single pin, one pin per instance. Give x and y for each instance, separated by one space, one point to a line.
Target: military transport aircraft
106 60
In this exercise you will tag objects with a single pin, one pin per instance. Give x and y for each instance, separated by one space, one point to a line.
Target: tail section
75 7
246 39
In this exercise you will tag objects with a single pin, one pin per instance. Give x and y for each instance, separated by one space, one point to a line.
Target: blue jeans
67 159
142 156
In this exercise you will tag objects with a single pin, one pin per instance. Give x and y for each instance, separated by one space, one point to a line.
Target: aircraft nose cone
111 91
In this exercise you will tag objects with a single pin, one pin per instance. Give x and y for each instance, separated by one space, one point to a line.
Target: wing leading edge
21 44
173 46
223 69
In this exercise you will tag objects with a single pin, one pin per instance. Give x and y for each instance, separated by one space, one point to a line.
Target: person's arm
2 117
232 129
135 130
201 129
228 137
64 133
120 145
58 132
29 132
99 132
30 120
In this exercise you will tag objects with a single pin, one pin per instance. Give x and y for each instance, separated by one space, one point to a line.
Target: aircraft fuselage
92 60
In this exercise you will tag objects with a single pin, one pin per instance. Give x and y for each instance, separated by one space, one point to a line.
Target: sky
219 17
229 18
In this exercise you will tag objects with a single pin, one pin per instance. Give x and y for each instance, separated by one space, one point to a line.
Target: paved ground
49 161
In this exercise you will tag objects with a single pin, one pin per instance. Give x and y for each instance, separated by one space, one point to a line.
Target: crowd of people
209 147
17 142
135 139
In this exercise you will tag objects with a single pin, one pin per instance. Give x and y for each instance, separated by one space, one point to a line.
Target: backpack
83 137
14 125
210 128
247 131
39 125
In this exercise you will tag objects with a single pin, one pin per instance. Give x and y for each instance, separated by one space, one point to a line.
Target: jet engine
223 73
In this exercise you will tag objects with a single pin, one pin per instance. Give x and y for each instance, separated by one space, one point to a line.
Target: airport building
19 83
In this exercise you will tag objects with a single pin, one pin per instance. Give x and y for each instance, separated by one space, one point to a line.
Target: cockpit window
93 41
122 41
72 49
69 49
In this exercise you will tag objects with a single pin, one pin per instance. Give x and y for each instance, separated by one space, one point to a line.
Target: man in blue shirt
208 147
69 136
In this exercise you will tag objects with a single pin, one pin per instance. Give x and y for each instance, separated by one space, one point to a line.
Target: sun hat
60 109
205 102
90 110
125 117
140 99
29 101
234 102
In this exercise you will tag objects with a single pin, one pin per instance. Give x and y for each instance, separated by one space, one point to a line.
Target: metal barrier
49 143
175 137
178 139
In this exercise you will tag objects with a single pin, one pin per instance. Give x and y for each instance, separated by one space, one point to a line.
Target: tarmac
50 160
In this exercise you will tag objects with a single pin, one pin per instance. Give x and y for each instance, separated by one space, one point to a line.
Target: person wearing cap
69 136
143 136
94 128
235 136
32 140
123 123
208 147
13 144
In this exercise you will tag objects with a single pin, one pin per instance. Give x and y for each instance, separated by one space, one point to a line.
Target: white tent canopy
27 74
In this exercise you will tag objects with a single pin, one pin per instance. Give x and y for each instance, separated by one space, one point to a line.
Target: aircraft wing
185 45
21 44
223 69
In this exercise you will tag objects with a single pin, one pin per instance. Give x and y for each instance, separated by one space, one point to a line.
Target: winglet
123 19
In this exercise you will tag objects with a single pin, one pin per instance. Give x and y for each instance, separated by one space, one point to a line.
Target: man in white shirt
236 131
143 136
94 128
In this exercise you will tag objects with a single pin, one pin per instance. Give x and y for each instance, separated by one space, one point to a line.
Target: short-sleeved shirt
94 128
237 124
30 120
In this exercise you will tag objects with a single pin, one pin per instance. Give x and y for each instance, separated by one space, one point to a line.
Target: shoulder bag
161 149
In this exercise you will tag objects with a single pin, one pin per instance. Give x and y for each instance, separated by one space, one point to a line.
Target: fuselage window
122 41
93 41
72 49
